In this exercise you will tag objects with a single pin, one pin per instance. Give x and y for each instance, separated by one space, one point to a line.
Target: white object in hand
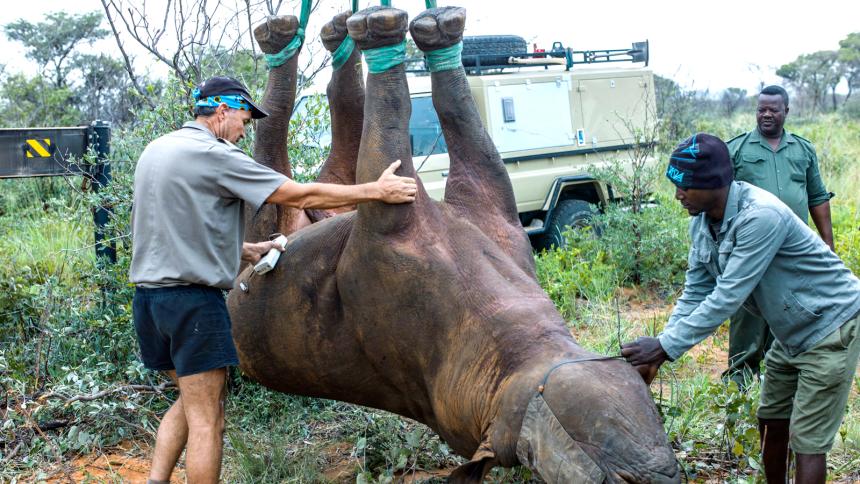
268 261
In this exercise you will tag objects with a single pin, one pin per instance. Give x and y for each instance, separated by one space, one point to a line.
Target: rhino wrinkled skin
430 310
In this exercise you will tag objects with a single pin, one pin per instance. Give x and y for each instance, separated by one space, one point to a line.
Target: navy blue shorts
183 328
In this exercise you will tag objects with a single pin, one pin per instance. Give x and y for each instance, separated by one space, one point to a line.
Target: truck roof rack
558 55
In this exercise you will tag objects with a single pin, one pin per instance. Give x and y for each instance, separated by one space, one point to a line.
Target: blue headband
233 101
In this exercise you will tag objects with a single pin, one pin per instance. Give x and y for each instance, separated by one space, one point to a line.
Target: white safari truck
551 124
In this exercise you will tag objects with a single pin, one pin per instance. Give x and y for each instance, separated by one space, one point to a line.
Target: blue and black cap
702 162
225 90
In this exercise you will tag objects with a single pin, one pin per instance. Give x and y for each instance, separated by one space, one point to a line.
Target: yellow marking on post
38 148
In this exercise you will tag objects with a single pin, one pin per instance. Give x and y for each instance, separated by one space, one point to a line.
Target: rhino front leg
272 136
345 93
478 186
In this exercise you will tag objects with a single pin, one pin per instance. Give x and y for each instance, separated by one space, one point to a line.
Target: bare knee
202 397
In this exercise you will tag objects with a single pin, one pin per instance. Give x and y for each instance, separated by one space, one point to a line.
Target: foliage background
72 383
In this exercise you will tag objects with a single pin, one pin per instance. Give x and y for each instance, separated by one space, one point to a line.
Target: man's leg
749 340
823 385
170 440
203 402
774 448
777 403
811 468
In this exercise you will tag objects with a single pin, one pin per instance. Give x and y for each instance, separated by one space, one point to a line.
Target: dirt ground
127 464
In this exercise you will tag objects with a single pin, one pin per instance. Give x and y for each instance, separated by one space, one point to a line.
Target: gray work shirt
771 260
188 214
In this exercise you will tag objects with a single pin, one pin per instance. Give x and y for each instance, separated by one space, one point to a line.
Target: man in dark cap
749 248
785 165
190 188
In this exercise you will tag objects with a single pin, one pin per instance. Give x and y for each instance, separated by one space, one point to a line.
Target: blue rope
445 59
280 58
342 53
383 58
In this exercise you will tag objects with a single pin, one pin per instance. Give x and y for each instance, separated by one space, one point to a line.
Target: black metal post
101 176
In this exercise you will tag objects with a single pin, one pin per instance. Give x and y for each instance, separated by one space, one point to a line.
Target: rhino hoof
377 27
438 28
276 32
334 31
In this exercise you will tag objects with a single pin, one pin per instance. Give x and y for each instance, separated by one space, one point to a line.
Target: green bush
647 248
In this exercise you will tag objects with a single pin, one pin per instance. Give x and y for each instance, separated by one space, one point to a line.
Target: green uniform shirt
791 172
767 258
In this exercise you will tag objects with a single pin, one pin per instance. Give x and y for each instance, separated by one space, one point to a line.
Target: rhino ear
473 472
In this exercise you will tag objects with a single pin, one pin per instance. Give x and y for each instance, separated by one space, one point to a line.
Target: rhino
430 310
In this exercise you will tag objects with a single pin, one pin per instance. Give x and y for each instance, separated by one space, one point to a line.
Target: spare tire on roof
493 49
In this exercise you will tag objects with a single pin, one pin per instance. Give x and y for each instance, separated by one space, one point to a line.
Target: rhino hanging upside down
431 310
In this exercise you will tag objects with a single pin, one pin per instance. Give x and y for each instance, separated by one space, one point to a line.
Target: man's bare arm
389 188
821 218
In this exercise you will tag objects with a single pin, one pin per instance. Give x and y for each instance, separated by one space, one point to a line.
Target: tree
813 75
51 43
105 91
732 99
849 57
192 36
28 102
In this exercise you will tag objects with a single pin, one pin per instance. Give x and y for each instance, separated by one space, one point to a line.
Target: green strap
387 3
383 58
354 6
277 60
342 53
445 59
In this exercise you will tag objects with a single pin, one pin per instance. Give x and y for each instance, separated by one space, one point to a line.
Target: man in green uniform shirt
785 165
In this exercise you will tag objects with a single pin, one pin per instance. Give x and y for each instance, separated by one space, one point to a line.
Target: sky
701 45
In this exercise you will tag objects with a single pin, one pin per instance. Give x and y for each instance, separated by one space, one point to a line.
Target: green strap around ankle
342 53
444 59
279 59
381 59
387 3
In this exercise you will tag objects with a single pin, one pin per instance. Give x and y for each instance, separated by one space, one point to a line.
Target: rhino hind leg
478 187
345 93
270 146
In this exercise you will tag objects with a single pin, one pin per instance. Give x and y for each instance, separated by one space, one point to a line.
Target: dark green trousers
749 340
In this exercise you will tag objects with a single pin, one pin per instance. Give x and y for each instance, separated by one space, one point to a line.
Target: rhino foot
276 32
334 31
377 27
438 28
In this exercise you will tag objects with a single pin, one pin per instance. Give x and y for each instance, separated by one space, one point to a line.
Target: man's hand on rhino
646 355
394 188
253 252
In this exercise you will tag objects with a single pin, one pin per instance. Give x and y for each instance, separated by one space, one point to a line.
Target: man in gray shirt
748 248
190 187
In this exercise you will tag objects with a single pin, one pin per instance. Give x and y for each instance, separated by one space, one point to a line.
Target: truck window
424 128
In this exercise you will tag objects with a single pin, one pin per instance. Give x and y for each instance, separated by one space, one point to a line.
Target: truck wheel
568 213
493 49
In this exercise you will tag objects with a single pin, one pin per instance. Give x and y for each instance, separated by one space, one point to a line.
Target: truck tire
568 213
493 49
